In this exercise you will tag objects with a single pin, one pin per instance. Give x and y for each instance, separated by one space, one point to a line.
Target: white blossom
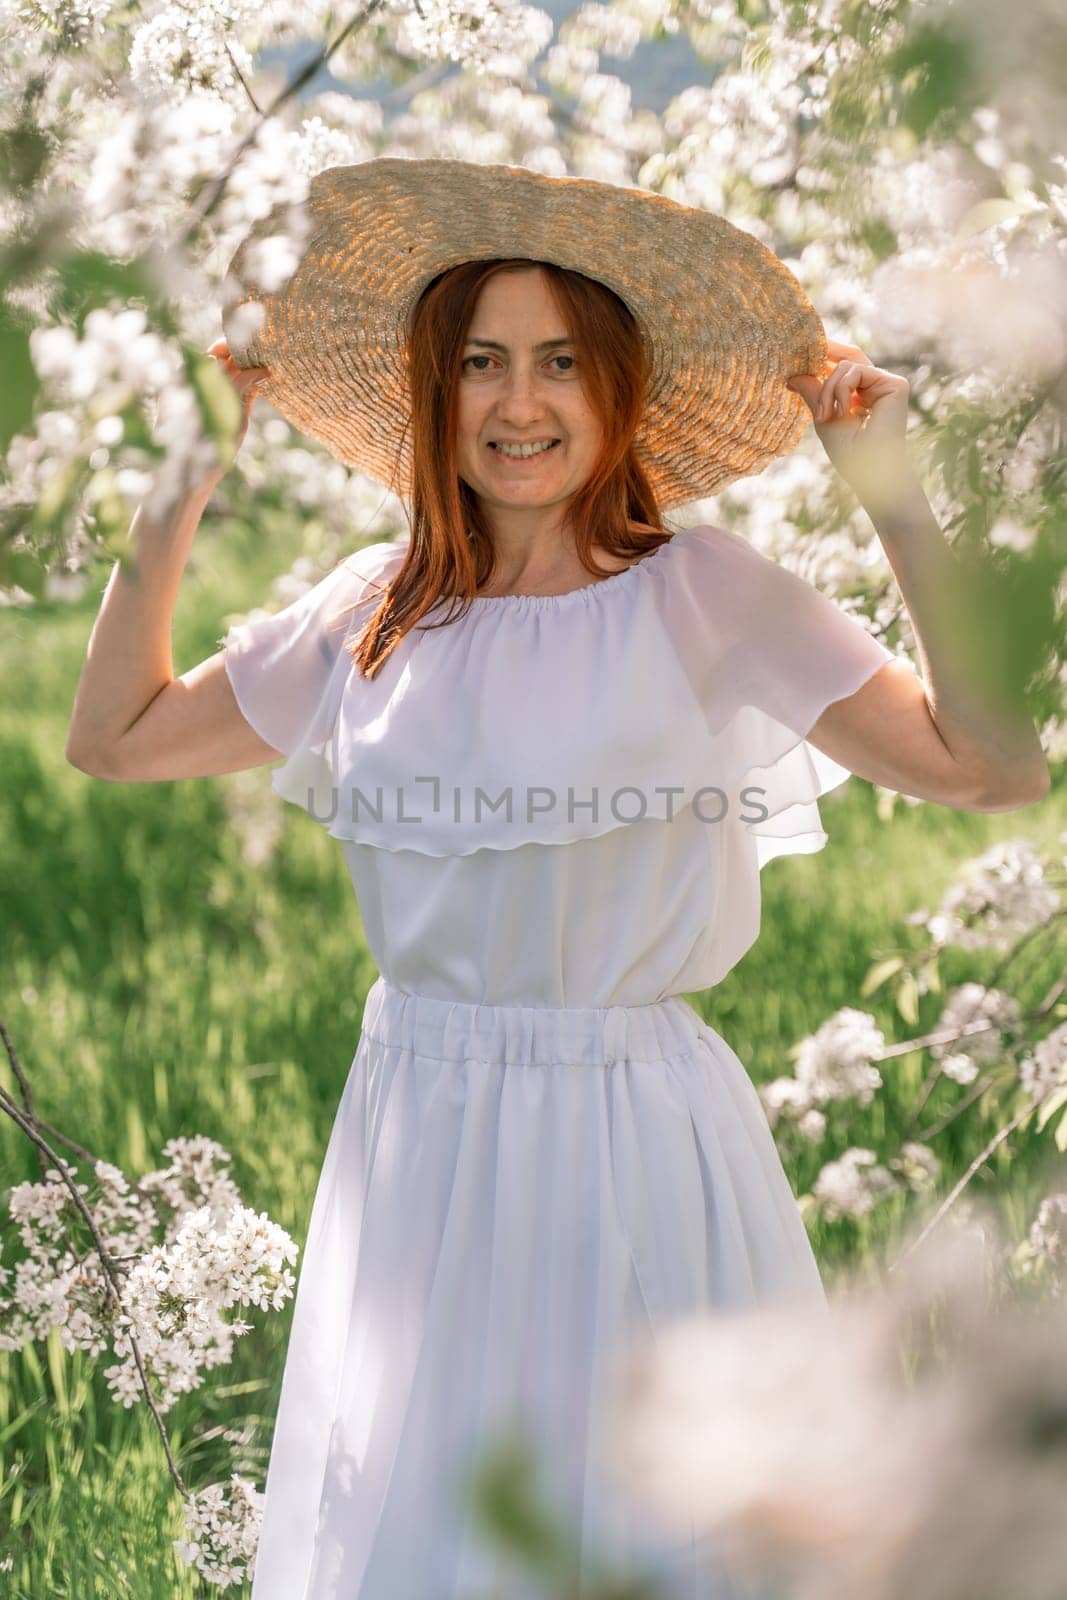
916 1165
1048 1232
603 28
1046 1068
783 1095
75 20
185 1253
960 1067
498 37
990 1013
836 1062
191 46
222 1523
853 1185
812 1125
996 898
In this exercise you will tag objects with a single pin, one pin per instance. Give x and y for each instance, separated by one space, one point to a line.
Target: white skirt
510 1196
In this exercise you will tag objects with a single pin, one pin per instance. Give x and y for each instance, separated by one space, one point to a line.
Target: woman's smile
520 456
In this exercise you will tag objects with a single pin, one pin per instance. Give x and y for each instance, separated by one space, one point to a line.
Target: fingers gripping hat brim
726 322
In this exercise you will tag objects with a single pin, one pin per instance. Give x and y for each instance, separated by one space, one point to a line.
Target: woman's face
521 382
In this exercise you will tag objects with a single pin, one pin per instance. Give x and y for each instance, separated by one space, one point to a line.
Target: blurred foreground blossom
994 306
908 1438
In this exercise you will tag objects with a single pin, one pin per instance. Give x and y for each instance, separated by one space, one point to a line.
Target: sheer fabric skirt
511 1196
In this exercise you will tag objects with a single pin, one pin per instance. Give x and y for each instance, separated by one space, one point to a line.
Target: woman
554 802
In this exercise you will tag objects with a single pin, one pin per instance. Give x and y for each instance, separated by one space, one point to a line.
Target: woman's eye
467 361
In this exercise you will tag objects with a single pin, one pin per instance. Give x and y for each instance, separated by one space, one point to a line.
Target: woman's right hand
246 380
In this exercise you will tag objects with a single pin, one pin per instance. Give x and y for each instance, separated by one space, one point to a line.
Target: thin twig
951 1198
1010 956
975 1091
979 1087
22 1081
27 1124
241 80
71 1144
216 190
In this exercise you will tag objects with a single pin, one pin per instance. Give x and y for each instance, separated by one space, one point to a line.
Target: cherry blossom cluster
185 1252
982 1039
996 899
489 36
222 1524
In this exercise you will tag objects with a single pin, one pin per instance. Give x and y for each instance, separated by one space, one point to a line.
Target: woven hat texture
724 318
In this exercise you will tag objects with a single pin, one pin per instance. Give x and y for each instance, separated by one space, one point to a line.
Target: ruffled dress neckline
586 591
662 686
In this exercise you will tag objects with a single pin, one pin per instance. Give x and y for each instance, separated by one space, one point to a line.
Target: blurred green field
156 983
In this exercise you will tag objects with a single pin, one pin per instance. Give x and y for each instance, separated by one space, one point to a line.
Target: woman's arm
952 736
132 720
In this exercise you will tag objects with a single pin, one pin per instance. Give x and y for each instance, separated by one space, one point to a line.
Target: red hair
450 552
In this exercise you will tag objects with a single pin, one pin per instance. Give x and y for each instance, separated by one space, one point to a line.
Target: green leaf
136 434
974 469
53 508
908 1070
217 400
109 506
1050 1106
879 238
24 569
18 392
14 521
908 998
937 70
87 279
878 974
24 152
985 214
1061 1134
57 1367
757 52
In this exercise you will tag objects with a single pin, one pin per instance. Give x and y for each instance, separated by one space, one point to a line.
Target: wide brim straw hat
724 319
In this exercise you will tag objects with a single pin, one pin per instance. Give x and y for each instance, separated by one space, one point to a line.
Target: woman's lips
521 461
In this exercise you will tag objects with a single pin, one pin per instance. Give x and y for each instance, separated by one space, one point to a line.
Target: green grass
156 984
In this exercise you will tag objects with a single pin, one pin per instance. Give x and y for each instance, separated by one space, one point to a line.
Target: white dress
554 812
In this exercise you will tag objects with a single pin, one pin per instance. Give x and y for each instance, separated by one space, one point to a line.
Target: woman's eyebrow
491 344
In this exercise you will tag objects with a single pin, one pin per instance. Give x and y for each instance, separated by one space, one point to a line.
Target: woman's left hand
861 417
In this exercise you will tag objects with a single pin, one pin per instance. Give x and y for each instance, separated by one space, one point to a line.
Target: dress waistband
462 1030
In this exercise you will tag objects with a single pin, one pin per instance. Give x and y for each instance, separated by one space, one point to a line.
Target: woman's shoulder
376 557
364 574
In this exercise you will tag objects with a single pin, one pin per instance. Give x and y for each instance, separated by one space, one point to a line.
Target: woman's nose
521 389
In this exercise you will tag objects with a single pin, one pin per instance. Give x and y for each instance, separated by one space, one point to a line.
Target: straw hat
726 322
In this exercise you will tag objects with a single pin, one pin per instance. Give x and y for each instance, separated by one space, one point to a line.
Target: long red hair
450 553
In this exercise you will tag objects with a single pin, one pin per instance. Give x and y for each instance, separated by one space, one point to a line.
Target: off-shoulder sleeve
288 669
765 653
